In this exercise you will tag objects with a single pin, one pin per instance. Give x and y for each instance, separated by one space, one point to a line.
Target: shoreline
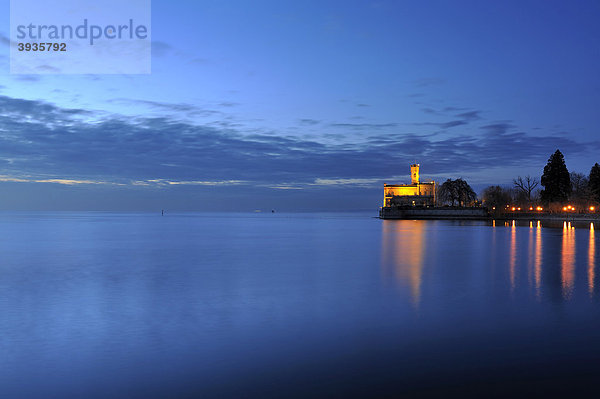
443 213
476 213
569 217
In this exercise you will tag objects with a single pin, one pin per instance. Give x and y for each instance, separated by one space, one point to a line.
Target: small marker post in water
162 212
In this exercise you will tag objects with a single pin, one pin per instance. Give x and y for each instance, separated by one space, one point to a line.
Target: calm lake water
281 305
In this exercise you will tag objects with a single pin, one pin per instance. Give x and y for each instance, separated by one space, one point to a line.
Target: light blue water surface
259 305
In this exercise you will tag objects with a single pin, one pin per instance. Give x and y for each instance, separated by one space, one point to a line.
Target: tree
496 196
594 182
457 191
525 186
519 197
466 195
579 181
556 179
447 192
580 191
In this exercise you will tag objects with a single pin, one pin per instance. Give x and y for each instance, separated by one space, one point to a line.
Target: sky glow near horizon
266 104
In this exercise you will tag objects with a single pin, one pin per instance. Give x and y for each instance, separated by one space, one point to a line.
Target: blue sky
307 105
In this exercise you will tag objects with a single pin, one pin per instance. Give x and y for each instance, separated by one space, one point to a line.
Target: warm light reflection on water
536 278
568 260
403 249
534 253
533 256
591 260
513 255
538 260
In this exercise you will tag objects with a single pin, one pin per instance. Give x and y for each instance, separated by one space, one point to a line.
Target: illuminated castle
414 194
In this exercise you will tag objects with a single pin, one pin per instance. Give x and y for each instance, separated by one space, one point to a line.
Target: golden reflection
513 255
568 260
537 268
591 260
531 255
403 253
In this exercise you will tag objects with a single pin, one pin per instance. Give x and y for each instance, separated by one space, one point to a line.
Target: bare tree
526 185
496 196
594 182
580 187
579 182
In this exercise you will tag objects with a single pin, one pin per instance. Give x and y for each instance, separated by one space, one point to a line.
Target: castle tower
414 173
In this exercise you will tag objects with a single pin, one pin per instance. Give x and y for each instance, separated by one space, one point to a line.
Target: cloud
470 116
27 111
189 110
165 182
453 109
465 118
309 122
40 142
364 125
28 78
48 69
161 49
499 128
68 182
447 125
206 183
345 182
4 40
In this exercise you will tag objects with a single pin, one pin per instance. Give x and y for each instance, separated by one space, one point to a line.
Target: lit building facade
415 194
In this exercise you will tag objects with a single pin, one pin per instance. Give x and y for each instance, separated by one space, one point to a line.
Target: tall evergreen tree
556 179
594 182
